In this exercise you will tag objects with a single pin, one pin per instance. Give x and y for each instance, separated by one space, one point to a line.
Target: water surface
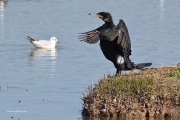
48 84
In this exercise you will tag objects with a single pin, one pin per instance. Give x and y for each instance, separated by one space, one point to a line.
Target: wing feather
124 39
31 39
90 36
121 31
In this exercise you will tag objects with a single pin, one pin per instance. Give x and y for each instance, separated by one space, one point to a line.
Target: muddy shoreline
153 92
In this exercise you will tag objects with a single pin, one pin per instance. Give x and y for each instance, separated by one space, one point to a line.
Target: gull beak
96 15
58 42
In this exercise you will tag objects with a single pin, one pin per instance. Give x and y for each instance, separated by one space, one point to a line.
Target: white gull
44 43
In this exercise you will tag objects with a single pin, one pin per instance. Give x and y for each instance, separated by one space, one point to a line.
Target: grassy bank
151 92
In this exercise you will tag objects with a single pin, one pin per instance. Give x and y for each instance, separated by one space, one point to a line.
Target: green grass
127 85
176 72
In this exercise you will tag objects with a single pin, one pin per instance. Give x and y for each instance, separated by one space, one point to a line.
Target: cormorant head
105 16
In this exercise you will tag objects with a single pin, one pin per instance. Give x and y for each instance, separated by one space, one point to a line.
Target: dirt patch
147 93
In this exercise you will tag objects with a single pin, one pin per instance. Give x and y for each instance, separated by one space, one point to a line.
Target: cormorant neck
109 22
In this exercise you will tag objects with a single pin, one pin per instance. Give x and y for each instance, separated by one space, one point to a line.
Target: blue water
48 84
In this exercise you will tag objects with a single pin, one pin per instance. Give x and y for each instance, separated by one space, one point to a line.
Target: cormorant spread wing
123 39
91 36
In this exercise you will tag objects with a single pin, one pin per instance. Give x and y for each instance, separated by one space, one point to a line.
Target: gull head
54 39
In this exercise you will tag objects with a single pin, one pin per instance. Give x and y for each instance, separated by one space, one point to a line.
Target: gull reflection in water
3 4
42 52
2 7
45 59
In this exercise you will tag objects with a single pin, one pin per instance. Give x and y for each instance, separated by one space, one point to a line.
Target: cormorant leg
118 72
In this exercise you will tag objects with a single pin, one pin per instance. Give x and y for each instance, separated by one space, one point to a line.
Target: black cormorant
114 42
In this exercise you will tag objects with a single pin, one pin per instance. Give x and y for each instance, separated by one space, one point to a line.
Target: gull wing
43 43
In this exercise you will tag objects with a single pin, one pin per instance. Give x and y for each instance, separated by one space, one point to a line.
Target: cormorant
114 42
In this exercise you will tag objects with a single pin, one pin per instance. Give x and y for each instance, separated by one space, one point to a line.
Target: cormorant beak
96 15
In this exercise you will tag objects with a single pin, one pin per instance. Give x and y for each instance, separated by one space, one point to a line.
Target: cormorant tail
142 65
